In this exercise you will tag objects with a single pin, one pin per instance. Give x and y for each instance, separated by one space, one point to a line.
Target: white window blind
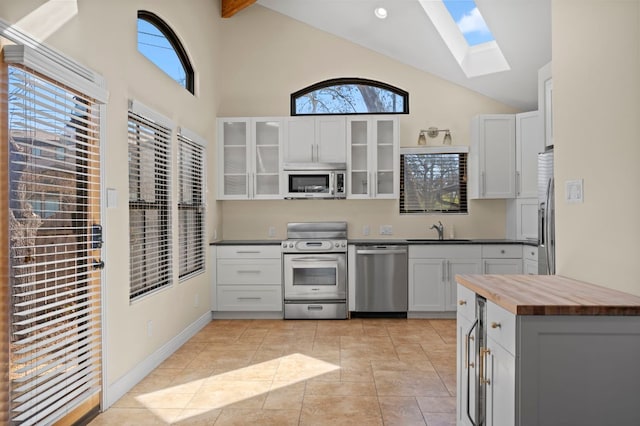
54 207
433 182
149 205
191 206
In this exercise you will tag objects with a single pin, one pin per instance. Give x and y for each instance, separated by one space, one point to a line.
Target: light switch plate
573 191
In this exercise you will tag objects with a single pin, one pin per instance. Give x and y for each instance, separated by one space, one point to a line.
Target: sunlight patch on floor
221 390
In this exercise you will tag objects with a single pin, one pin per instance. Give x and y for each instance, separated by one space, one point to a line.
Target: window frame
342 81
175 43
139 116
463 152
195 176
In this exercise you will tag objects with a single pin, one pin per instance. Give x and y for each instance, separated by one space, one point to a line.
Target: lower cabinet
248 278
501 259
530 260
432 271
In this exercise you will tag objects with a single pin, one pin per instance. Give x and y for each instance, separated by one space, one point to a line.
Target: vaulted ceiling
522 29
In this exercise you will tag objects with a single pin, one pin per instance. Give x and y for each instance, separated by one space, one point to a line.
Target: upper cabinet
545 102
372 157
529 142
492 158
315 139
249 158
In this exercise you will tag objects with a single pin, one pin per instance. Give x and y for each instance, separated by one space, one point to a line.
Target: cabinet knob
502 251
462 302
495 325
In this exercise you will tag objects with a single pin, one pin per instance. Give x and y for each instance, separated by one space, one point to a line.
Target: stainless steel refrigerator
546 215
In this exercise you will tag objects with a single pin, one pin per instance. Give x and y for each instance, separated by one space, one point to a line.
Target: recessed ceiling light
380 12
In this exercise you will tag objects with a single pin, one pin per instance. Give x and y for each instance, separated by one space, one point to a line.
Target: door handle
475 324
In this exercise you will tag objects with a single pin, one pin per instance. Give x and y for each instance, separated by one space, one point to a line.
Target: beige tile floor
277 372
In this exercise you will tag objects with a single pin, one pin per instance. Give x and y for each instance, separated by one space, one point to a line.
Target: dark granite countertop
376 241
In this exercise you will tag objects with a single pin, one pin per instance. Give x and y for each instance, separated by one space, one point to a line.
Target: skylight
467 36
468 18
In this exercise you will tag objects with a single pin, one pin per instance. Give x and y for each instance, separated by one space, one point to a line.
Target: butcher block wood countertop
550 295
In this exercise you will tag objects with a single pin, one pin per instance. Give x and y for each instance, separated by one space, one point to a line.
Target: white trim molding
120 387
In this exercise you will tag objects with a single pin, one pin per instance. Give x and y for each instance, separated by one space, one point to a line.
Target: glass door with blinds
51 138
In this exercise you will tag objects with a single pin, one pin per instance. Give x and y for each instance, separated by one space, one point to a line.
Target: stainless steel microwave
315 180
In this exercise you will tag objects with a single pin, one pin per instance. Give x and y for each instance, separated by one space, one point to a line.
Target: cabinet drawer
444 251
530 253
501 327
248 252
466 303
502 251
242 271
249 298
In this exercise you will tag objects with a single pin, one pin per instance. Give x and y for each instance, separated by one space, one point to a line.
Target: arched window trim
351 80
173 39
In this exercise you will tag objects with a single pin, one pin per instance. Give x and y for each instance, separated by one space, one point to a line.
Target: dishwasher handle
382 251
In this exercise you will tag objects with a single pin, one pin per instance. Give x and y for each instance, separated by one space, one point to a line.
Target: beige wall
102 36
596 77
267 56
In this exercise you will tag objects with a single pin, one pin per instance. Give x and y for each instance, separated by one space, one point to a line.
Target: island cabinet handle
462 302
484 353
495 324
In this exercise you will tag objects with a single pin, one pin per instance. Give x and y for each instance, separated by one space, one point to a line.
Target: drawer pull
462 302
248 251
248 271
495 324
249 298
315 307
502 251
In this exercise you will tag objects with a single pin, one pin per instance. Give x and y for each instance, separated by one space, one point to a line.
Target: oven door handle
314 259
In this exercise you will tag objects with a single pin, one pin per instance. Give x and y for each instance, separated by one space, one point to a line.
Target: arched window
349 96
158 42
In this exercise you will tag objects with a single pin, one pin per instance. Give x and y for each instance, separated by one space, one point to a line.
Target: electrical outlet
386 230
272 231
149 328
366 230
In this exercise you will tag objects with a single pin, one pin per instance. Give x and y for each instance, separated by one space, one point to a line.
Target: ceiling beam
231 7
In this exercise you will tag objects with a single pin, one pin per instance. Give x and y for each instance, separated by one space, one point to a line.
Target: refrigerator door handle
468 336
541 223
548 231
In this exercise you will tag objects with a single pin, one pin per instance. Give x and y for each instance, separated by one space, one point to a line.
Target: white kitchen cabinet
545 102
319 139
248 278
249 158
501 383
373 157
502 259
530 260
492 158
529 142
522 219
432 270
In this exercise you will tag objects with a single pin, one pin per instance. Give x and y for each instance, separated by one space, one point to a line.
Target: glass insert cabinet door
249 159
373 152
267 141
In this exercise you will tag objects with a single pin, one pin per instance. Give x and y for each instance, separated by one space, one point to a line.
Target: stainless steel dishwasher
381 279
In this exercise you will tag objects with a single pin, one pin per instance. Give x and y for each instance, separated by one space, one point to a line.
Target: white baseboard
123 385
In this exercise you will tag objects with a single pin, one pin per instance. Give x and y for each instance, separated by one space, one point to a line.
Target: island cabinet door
500 366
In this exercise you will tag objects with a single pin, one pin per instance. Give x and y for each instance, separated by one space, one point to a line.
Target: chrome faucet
440 228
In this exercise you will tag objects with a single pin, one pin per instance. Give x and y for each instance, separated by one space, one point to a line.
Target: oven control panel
314 246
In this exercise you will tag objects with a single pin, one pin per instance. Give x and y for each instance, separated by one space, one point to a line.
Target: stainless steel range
314 261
